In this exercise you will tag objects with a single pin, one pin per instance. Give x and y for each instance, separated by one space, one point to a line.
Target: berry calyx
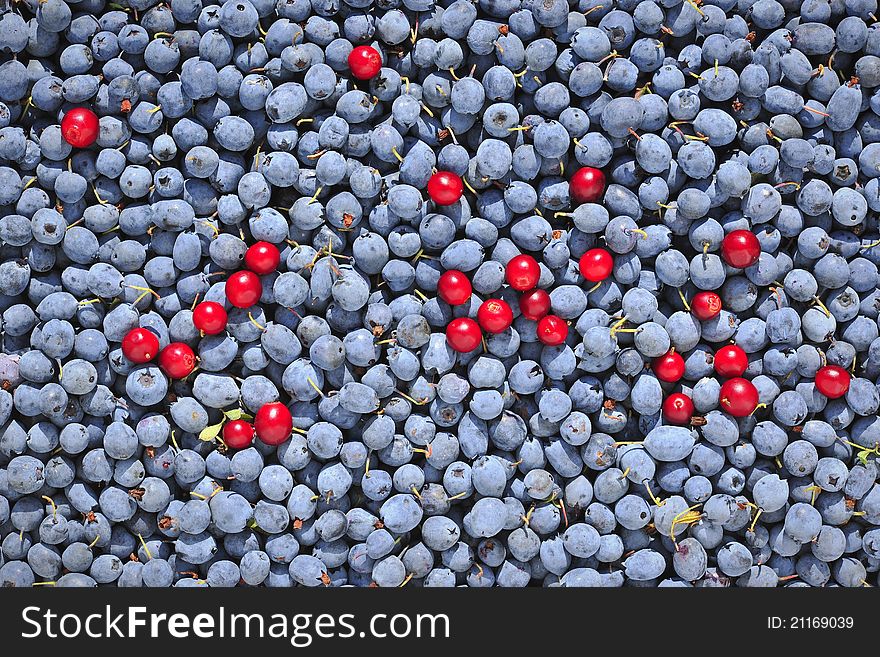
463 334
586 185
273 423
535 304
522 272
454 287
495 316
740 249
445 188
731 361
238 434
705 305
80 127
140 345
262 258
177 360
832 381
552 330
678 408
210 317
739 397
243 289
669 367
596 265
364 62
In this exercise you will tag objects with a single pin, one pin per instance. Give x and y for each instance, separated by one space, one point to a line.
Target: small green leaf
237 414
211 432
863 456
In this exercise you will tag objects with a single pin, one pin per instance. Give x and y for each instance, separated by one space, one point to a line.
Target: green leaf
211 432
237 414
863 456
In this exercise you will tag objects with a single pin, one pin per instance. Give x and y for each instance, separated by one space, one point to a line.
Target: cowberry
243 289
210 317
832 381
522 272
262 258
463 334
273 423
80 127
454 287
140 345
494 316
739 397
177 360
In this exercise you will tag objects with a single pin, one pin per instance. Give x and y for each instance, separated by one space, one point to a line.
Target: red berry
262 258
445 188
587 185
454 287
140 345
522 272
535 304
832 381
740 249
80 127
364 62
705 305
731 361
678 408
463 334
273 423
738 397
210 317
552 330
669 367
596 265
177 360
495 316
243 289
238 434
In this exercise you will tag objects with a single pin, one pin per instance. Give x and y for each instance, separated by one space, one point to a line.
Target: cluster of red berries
176 359
495 315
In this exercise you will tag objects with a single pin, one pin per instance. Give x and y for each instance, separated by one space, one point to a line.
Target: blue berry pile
689 397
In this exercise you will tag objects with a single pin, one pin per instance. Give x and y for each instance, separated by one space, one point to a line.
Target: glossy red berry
273 423
445 188
552 330
535 304
678 408
262 258
454 287
705 305
243 289
596 265
238 434
495 316
731 361
364 62
463 334
669 367
522 272
739 397
140 345
587 185
210 317
80 127
832 381
177 360
740 249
